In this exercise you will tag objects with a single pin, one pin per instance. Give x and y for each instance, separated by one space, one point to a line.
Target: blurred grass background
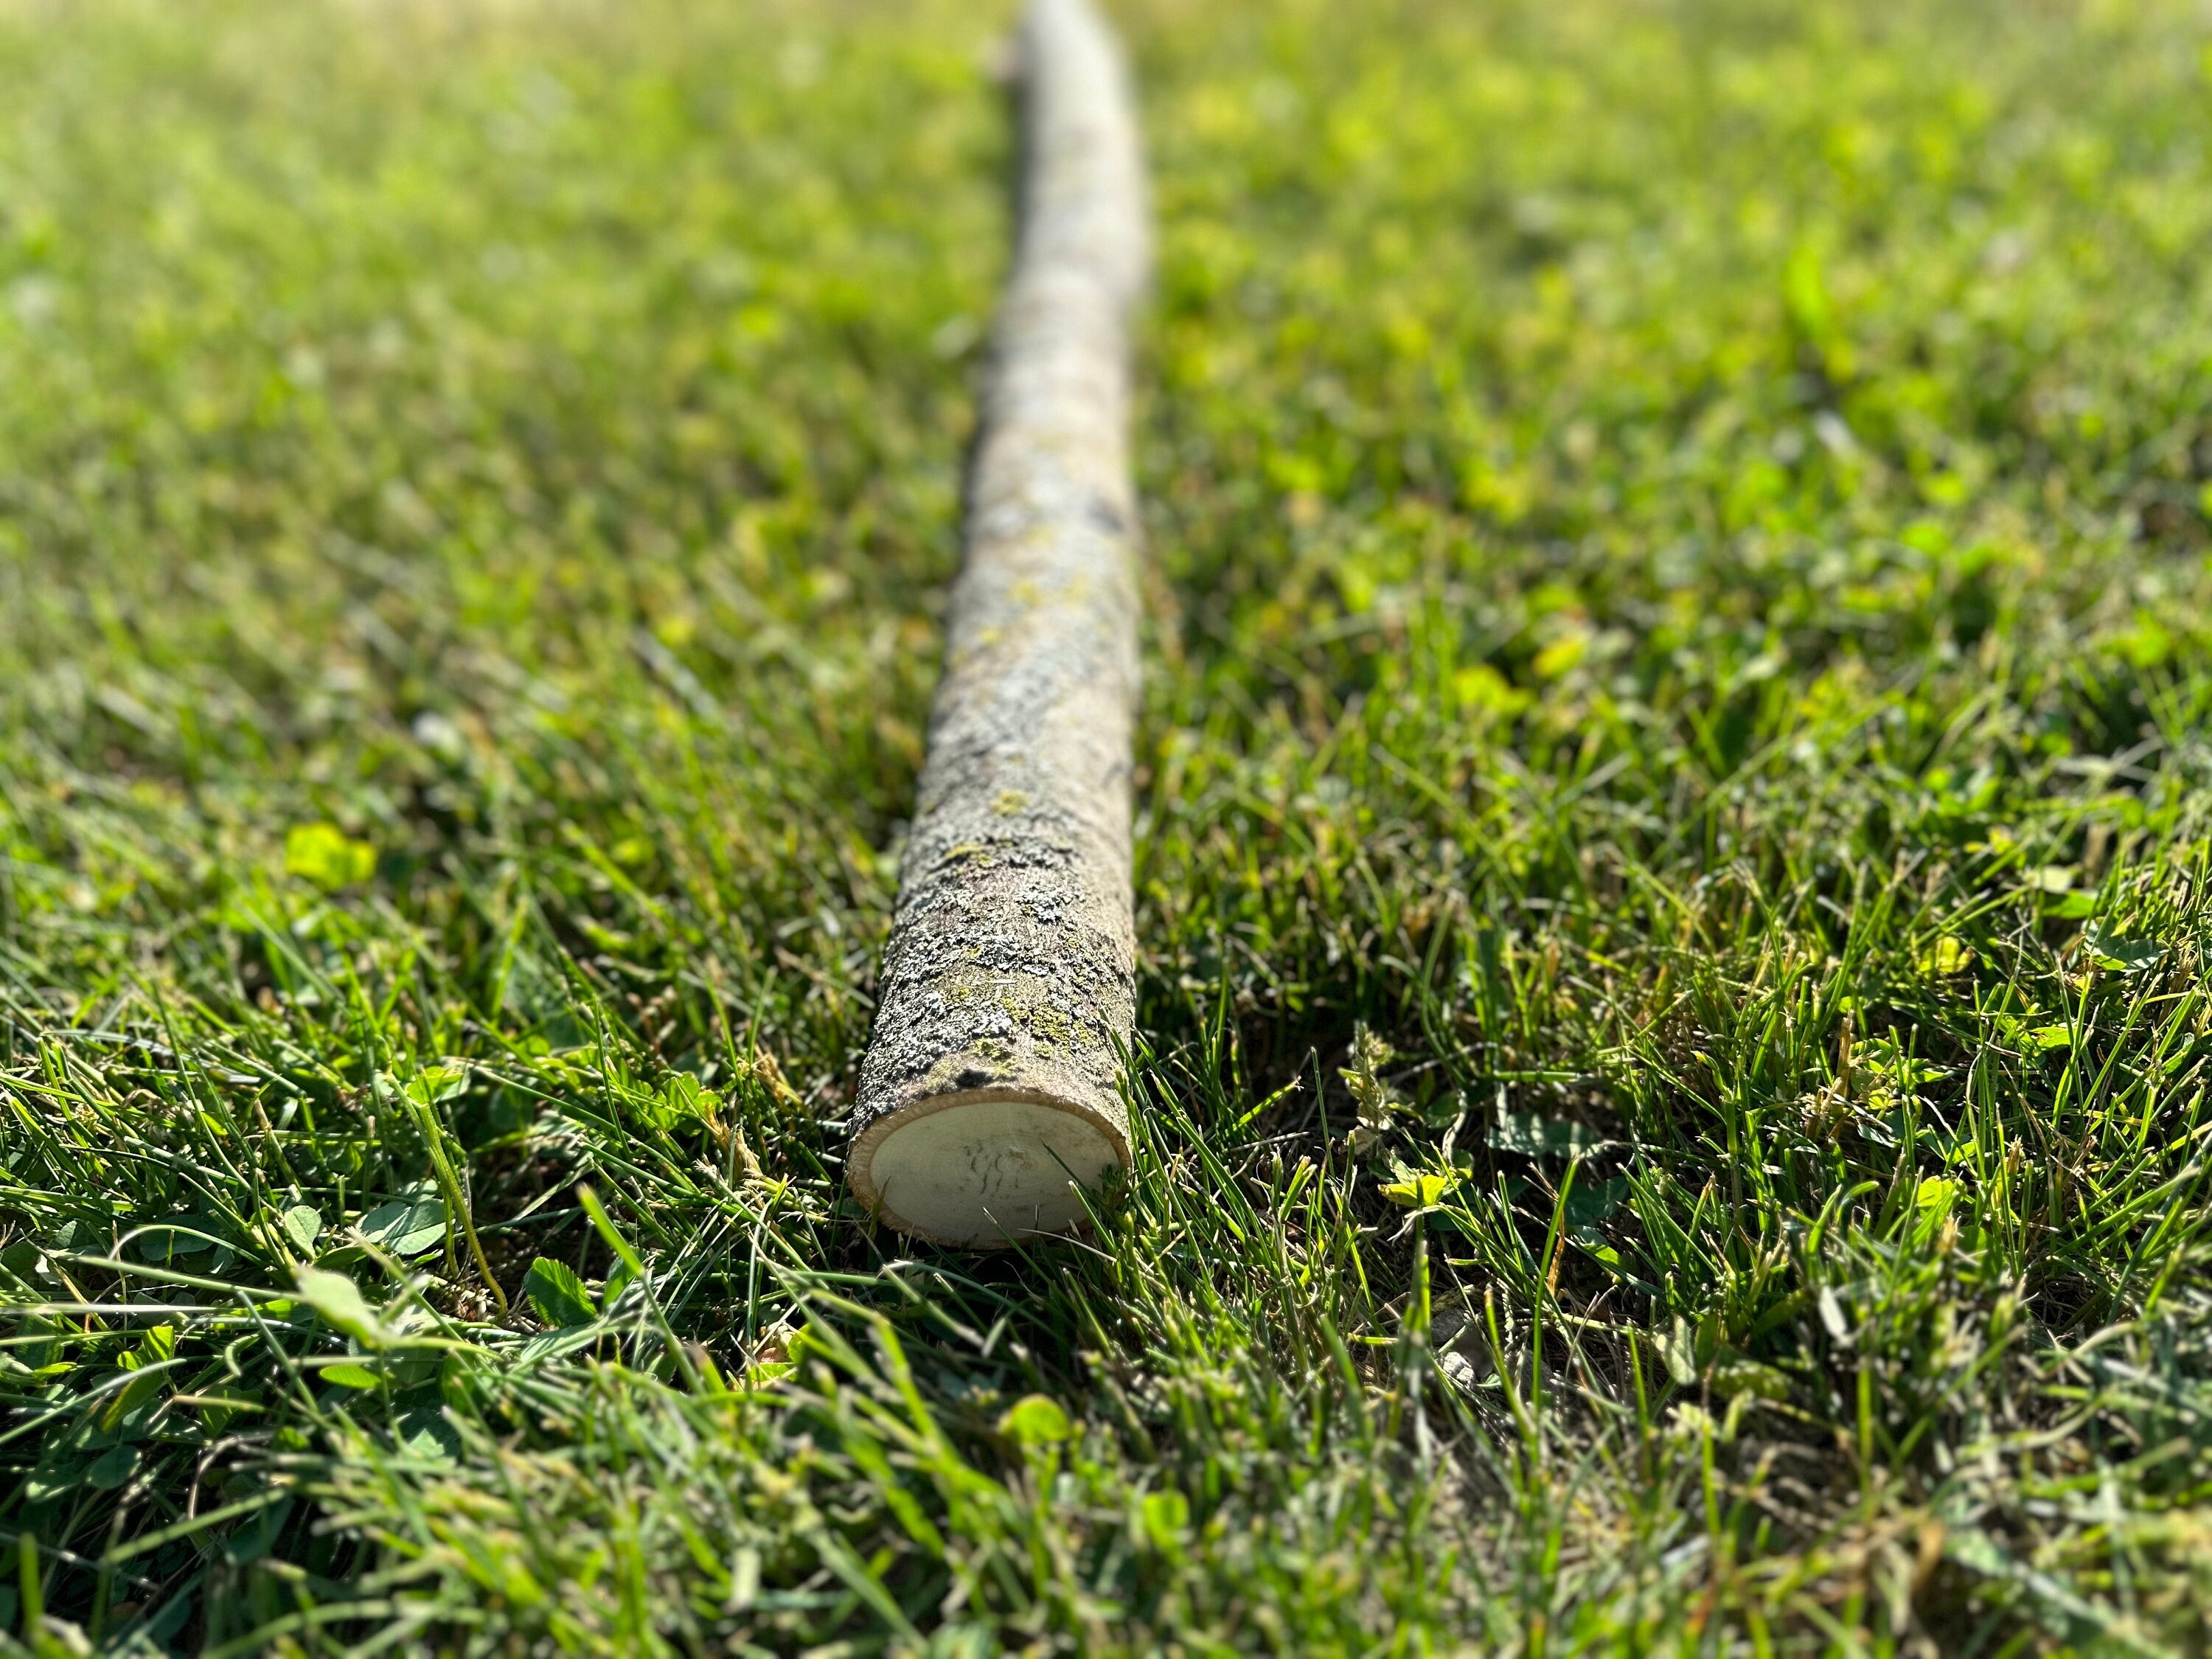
1673 826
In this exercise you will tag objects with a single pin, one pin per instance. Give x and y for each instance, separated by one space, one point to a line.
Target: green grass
1674 823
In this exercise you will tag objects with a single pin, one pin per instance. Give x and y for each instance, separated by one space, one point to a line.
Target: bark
1007 991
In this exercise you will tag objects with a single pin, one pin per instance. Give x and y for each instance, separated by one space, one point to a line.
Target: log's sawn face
1007 996
1012 1163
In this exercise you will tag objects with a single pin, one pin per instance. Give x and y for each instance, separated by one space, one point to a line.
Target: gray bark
1009 979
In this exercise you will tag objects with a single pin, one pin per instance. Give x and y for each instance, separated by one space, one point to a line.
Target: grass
1672 843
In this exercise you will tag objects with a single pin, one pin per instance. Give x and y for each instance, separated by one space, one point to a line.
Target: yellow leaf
325 855
1948 955
1419 1190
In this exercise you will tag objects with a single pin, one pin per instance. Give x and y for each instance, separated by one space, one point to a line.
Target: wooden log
990 1087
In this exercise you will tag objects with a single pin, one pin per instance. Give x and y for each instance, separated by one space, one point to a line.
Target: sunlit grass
1671 852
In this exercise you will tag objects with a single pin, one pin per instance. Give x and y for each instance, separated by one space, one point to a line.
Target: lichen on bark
1010 971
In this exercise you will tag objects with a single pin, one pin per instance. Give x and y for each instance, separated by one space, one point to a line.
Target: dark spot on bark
974 1078
1108 517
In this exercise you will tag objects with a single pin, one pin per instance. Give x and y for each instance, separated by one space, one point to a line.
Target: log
990 1090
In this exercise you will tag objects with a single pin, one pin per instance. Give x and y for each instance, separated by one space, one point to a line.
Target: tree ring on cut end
984 1167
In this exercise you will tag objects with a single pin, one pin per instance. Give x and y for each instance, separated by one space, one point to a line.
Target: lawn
1675 817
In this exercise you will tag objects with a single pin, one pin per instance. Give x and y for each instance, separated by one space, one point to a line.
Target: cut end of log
984 1168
